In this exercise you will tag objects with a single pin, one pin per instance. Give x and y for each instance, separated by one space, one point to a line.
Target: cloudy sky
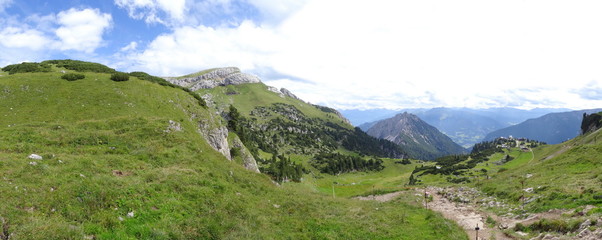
347 54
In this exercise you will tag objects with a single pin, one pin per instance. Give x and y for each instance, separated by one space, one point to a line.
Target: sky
346 54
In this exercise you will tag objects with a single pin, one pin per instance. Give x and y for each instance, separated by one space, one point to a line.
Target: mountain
552 128
276 122
96 158
464 127
467 126
418 138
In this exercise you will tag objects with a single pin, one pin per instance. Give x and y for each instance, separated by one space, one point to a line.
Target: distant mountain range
419 139
463 125
551 128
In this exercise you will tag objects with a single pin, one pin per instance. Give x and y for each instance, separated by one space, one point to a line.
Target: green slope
114 169
565 175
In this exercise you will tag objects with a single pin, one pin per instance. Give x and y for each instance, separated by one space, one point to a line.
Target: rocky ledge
214 78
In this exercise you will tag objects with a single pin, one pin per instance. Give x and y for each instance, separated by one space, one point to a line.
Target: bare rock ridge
223 77
214 78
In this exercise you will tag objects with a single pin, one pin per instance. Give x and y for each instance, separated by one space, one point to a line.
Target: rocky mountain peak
421 140
215 77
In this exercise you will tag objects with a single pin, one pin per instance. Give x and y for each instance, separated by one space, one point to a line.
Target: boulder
35 156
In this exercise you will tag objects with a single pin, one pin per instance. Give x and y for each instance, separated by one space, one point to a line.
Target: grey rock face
288 93
218 139
240 78
214 78
275 90
248 160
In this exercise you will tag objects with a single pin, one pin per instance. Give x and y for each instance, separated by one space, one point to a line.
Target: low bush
80 66
554 225
26 67
120 77
73 76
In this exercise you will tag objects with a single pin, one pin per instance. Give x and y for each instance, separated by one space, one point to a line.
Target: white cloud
38 37
191 49
82 30
130 47
278 10
4 4
13 37
150 10
464 53
401 54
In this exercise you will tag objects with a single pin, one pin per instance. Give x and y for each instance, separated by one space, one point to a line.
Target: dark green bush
147 77
120 77
81 66
235 152
554 225
73 76
26 67
520 227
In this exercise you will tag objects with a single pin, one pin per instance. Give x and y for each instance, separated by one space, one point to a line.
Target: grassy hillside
545 177
114 167
565 175
246 97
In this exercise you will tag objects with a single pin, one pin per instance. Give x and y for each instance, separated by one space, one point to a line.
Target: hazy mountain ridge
418 138
467 126
552 128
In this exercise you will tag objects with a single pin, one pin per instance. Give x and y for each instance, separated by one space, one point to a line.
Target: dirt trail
467 215
381 198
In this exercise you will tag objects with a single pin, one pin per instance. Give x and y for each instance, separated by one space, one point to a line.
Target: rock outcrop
218 139
288 93
342 117
275 90
214 78
248 160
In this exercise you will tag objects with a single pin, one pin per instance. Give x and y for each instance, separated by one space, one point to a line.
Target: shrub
80 66
490 221
520 227
26 67
234 152
150 78
554 225
120 77
73 76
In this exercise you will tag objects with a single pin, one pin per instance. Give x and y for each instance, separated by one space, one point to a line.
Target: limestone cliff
248 160
215 77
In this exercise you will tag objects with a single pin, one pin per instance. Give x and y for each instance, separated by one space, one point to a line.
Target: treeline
365 144
288 128
336 163
282 169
